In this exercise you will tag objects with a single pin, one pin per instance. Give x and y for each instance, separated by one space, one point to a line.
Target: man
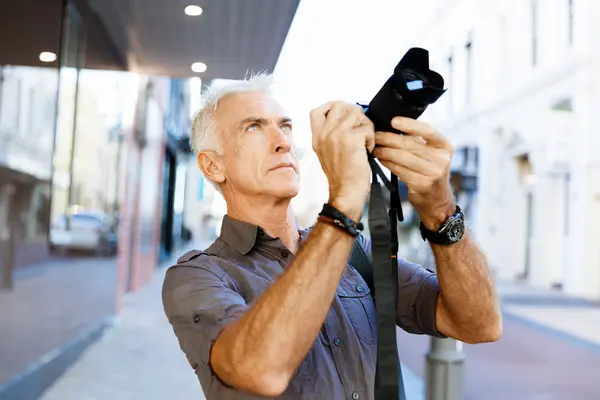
270 310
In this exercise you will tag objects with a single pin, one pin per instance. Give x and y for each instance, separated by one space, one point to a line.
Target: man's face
256 141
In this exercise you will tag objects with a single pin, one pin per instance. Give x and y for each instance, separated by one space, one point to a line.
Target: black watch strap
450 232
335 217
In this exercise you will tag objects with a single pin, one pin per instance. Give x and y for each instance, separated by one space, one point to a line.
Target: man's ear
211 165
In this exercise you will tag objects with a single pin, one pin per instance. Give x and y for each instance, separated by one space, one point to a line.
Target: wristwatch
451 231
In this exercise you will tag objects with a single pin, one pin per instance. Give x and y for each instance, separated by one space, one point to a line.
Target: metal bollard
444 370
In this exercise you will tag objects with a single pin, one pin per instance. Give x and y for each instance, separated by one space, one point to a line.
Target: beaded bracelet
335 217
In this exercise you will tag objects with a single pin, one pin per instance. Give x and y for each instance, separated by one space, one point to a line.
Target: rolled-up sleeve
199 304
418 291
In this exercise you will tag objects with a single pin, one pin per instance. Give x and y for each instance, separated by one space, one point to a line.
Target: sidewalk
139 358
52 304
571 317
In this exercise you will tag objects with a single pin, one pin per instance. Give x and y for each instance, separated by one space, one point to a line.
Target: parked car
86 231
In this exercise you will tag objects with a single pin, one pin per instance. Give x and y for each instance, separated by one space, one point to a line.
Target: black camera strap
408 92
389 383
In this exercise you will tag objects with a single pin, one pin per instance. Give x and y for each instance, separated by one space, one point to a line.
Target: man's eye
287 127
253 127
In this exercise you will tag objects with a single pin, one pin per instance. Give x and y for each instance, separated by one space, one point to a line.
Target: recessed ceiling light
194 11
47 56
198 67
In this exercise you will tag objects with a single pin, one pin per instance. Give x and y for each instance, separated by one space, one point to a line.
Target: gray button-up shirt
207 290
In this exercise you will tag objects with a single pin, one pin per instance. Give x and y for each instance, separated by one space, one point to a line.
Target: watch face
451 232
455 230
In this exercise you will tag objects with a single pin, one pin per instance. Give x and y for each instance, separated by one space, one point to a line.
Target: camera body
407 93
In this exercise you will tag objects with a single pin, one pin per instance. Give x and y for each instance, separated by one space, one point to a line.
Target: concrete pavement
568 316
138 358
54 309
549 350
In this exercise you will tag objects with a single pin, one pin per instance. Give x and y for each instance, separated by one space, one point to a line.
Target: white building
524 87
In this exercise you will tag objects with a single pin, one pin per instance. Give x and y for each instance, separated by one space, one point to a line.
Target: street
530 362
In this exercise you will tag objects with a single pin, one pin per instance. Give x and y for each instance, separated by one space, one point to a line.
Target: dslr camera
407 93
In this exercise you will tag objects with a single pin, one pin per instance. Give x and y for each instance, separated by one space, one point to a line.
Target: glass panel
29 82
73 53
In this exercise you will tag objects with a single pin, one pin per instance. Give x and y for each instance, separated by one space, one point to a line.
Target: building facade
523 87
78 131
520 107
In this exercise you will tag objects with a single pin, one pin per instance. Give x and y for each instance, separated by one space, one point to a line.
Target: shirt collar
243 236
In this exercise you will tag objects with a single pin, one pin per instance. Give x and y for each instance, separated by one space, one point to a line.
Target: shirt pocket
355 297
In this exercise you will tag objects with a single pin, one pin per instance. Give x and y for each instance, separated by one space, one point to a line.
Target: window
534 38
469 70
570 23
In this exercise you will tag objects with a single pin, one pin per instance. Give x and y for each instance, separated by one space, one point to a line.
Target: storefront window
73 55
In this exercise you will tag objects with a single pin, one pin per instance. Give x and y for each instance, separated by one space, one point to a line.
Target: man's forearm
261 351
468 307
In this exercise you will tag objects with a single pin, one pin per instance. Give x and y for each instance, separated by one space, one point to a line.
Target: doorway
527 180
167 217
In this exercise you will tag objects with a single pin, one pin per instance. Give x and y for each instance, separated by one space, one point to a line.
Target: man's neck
277 219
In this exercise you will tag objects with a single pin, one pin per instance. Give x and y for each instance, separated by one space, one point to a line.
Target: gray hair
204 132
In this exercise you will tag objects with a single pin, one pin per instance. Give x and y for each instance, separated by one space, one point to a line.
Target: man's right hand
341 135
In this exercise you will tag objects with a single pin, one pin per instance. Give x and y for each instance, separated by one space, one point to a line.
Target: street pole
444 371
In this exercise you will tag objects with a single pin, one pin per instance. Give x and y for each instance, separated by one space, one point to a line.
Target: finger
408 176
337 111
356 120
404 159
318 116
369 137
419 128
389 139
414 144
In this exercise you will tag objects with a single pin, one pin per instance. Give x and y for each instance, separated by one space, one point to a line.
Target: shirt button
284 254
337 341
355 396
196 318
360 288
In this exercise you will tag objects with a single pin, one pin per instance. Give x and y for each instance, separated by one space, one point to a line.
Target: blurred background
99 191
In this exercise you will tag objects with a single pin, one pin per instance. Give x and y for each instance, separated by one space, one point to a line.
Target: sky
339 49
342 49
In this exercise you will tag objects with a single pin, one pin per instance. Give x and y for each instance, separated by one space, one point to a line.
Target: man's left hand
421 159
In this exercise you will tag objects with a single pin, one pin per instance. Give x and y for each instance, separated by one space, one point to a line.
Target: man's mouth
283 165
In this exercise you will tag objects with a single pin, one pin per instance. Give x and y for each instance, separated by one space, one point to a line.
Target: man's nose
282 142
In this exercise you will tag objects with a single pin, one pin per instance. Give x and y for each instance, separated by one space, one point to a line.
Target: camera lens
408 92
